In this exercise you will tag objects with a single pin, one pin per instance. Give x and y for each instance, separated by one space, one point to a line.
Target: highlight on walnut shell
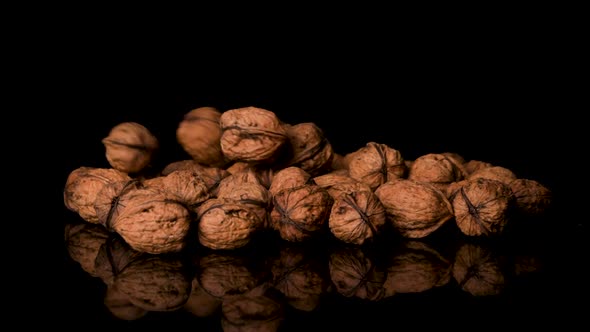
356 274
251 134
437 169
478 271
375 164
199 134
482 207
309 149
130 147
415 209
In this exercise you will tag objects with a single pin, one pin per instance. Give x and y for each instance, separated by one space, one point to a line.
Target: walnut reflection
259 309
478 269
83 242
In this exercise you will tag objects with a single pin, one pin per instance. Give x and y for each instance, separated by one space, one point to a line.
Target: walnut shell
481 207
357 217
83 185
211 176
130 147
83 242
478 271
252 312
186 186
199 134
531 197
251 134
416 209
337 183
499 173
288 178
112 258
355 274
150 221
107 203
437 169
225 274
472 166
310 150
338 162
375 164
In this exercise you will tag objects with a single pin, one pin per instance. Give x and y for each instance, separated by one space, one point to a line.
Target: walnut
478 270
228 273
337 183
288 178
455 157
211 176
472 166
338 162
416 266
112 258
531 197
186 186
416 209
355 274
199 134
130 147
357 217
253 311
499 173
375 164
227 224
244 187
251 134
481 207
83 242
150 221
107 205
309 149
437 169
83 185
120 306
264 173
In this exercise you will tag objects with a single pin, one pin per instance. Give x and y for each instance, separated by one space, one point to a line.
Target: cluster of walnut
250 171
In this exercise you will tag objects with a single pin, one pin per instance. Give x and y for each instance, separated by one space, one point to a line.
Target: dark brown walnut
309 149
188 164
185 186
454 188
499 173
257 310
299 275
112 258
455 157
472 166
155 282
120 306
83 242
337 183
245 188
200 303
288 178
531 197
225 274
355 274
130 147
408 163
375 164
199 134
107 203
415 209
227 224
151 221
251 134
437 169
482 207
301 213
416 266
338 162
478 271
83 185
357 217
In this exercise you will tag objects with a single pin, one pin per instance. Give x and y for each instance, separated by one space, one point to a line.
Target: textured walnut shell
227 224
300 213
472 166
437 169
211 176
224 274
155 282
83 185
354 274
375 164
83 242
107 203
150 221
288 178
186 186
201 303
415 266
357 217
199 134
482 207
337 183
309 149
179 165
416 209
244 187
264 173
120 306
299 276
251 134
454 157
112 258
130 147
478 271
531 197
252 312
454 188
499 173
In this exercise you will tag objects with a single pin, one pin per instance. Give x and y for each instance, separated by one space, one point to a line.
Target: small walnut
309 148
474 165
416 209
481 207
227 224
251 134
83 242
375 164
83 185
130 147
355 274
478 270
289 178
499 173
357 217
437 169
253 311
531 197
199 134
225 274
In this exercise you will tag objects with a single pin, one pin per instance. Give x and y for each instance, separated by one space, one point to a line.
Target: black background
507 97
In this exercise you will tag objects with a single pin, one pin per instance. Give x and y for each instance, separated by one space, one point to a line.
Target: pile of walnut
250 171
